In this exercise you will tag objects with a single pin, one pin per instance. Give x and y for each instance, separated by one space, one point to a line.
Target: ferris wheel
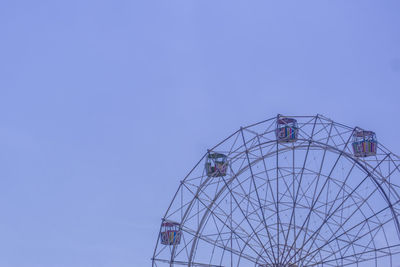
289 191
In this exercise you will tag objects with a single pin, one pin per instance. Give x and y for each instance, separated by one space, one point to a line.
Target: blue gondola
365 143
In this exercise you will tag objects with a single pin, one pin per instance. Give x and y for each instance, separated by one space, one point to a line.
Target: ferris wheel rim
347 155
360 164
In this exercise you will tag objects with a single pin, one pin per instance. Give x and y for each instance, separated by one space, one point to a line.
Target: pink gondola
170 233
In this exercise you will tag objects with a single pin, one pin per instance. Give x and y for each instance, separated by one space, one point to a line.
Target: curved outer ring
317 144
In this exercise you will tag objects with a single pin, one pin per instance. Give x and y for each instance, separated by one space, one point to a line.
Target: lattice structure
308 202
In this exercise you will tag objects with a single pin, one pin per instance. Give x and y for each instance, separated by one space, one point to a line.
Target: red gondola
286 129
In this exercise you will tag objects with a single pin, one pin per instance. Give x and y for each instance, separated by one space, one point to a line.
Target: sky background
106 105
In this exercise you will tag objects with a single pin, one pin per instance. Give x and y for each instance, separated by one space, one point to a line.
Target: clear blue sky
106 105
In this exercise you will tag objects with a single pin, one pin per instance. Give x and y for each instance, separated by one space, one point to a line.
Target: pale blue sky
105 105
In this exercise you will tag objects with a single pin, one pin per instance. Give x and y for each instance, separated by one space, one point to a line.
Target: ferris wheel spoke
257 200
366 249
221 220
322 250
247 219
185 247
222 212
326 203
350 195
332 252
317 198
333 222
258 197
330 214
234 231
375 257
283 195
352 242
275 202
223 244
358 208
372 233
268 179
297 193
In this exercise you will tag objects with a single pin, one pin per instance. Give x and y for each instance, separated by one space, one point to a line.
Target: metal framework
305 203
